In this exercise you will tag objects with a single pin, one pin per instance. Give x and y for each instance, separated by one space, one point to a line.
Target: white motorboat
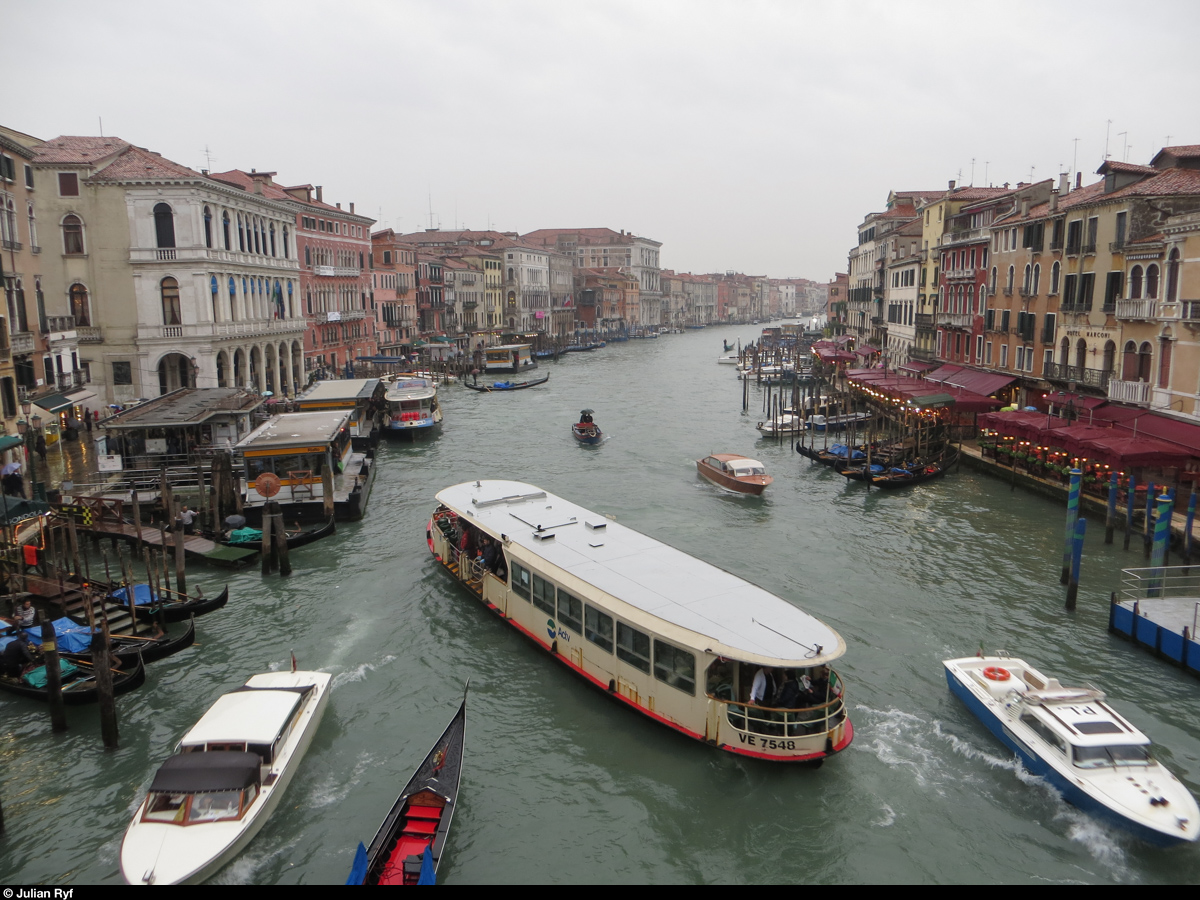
731 359
412 406
787 423
209 800
1077 742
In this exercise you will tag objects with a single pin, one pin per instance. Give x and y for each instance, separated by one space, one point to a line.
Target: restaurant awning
79 395
52 403
8 441
974 380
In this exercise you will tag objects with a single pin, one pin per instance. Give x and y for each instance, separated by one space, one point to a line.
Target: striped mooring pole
1162 534
1110 521
1076 557
1072 518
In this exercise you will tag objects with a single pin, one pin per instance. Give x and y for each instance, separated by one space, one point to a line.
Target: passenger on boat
763 687
24 614
789 693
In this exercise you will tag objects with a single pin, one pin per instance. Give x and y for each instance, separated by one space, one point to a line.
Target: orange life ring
996 673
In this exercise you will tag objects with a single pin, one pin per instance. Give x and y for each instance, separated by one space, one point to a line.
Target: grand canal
564 786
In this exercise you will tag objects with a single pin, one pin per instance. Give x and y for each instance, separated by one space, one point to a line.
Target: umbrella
9 468
235 521
268 393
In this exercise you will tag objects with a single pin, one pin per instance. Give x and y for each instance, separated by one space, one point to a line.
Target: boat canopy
254 716
195 773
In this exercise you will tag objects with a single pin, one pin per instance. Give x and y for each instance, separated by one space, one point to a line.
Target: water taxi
228 773
412 406
735 473
1076 741
362 396
307 463
509 358
666 634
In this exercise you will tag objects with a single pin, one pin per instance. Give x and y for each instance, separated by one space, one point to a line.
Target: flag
427 873
358 871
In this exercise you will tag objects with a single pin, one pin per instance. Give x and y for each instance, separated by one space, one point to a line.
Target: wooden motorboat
734 472
1072 738
79 682
497 386
175 607
251 538
208 801
419 821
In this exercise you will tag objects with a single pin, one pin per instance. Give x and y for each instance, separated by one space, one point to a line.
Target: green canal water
561 784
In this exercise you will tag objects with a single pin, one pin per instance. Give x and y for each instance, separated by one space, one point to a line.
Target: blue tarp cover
141 595
70 636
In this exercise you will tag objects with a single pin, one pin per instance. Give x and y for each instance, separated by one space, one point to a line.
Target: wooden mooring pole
109 732
1130 493
58 712
269 523
1110 519
1076 557
1072 518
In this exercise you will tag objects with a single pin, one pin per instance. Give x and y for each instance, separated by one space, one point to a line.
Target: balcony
1129 392
205 254
336 271
955 320
1083 377
1116 247
1191 311
957 237
22 342
60 323
337 315
88 334
11 245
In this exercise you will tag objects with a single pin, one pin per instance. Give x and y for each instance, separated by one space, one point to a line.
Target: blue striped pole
1072 518
1162 534
1110 521
1148 531
1129 495
1187 528
1076 557
1170 516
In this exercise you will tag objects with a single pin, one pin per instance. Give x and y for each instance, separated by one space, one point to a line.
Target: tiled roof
897 212
1183 151
549 236
975 193
136 164
238 178
1113 165
78 150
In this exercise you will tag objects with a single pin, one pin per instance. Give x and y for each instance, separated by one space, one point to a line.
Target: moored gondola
79 683
175 608
251 538
74 642
915 474
410 842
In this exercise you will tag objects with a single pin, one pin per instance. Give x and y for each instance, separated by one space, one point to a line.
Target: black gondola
294 540
898 477
125 648
81 688
498 386
173 610
419 820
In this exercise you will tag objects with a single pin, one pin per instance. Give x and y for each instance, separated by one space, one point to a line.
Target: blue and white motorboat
1071 737
412 405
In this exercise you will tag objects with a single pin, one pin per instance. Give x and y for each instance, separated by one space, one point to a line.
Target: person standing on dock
188 518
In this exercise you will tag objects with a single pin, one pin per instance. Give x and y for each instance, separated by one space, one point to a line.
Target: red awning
975 380
1141 423
916 367
1080 401
1126 451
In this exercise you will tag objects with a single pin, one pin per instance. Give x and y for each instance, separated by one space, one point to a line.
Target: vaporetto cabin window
520 580
675 667
543 595
570 611
598 628
633 647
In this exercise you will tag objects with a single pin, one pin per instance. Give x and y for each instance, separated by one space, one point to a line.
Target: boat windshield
212 807
1116 755
744 471
190 809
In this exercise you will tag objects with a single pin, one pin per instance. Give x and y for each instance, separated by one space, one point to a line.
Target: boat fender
612 685
996 673
554 647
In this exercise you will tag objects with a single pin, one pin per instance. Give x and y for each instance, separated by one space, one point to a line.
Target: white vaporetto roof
735 616
411 389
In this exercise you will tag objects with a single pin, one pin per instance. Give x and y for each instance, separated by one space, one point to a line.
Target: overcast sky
751 136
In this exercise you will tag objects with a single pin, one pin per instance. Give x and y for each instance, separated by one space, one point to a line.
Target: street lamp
29 431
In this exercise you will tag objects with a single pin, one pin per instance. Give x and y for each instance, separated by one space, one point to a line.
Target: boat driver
18 656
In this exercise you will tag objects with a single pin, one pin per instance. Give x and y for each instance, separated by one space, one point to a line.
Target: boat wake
359 672
245 869
334 790
909 742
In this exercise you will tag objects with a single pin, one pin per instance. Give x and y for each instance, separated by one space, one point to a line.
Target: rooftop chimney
951 184
1025 208
1054 200
338 205
320 194
1078 180
351 207
1064 183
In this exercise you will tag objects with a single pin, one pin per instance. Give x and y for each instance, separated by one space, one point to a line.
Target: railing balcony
60 323
35 248
164 253
1144 310
1190 311
1025 293
1129 392
209 254
337 271
88 334
11 245
22 342
923 319
923 353
955 320
1056 245
1116 247
1094 378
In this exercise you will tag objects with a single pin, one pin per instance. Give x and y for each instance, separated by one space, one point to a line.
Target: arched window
33 243
1151 282
257 240
8 224
1027 279
1110 356
1081 354
225 228
1135 283
993 284
1065 350
164 225
285 243
1012 274
1144 361
272 238
72 228
1129 362
215 290
79 305
208 228
232 299
169 289
241 233
308 256
1037 278
1054 273
1164 361
1173 275
970 299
